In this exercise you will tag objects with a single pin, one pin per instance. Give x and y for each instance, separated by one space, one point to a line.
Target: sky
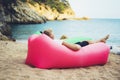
96 8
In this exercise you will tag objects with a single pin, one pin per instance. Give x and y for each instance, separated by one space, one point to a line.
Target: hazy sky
96 8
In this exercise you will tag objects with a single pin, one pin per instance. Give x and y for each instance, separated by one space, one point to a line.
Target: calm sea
94 28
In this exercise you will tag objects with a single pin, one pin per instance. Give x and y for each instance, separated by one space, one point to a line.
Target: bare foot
105 38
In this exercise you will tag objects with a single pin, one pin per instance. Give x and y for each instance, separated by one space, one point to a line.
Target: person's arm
74 47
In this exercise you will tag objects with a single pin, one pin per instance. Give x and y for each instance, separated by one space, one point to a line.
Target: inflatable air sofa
44 53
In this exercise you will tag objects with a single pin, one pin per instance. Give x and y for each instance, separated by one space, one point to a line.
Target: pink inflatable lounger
44 53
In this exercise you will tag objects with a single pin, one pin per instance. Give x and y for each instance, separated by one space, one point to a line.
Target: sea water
93 28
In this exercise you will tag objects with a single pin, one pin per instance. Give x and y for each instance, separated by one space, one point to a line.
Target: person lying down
76 46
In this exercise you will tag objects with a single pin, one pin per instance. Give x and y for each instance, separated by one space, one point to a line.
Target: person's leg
76 47
100 40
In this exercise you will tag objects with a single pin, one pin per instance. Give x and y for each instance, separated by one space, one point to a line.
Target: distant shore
77 18
13 67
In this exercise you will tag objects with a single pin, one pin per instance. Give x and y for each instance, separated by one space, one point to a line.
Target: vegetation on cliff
59 5
54 4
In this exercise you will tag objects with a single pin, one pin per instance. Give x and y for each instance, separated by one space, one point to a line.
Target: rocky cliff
5 30
52 14
16 11
26 12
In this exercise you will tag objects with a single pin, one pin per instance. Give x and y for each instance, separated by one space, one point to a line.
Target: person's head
49 33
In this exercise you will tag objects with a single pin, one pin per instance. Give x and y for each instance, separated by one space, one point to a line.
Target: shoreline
13 67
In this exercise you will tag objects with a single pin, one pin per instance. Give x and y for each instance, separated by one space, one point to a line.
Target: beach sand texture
12 67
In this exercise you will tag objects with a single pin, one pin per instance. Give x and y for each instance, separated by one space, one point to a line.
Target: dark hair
46 32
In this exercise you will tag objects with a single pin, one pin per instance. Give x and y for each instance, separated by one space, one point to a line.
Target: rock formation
16 11
25 12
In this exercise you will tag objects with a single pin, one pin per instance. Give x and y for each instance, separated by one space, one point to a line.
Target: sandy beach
12 67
